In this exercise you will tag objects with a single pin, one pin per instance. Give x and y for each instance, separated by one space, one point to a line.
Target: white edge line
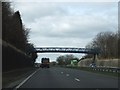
26 79
77 79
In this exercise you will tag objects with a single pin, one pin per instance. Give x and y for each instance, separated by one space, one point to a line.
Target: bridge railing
72 50
98 69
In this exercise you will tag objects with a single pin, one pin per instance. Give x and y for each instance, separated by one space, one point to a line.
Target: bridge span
65 50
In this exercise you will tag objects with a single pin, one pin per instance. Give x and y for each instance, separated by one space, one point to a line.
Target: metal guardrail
103 69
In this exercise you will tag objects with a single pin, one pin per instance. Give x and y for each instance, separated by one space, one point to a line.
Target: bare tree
108 44
66 59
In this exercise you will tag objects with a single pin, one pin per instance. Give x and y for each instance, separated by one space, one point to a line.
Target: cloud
36 10
67 23
70 26
63 0
60 42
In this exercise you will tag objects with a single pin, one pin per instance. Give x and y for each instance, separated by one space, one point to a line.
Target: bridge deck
66 50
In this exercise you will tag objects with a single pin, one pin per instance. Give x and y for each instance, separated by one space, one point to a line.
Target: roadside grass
93 71
15 75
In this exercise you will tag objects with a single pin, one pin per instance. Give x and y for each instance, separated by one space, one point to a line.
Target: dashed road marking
62 72
67 75
77 79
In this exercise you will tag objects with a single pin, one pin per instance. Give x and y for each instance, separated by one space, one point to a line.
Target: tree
31 51
60 60
16 35
13 30
107 42
53 63
66 59
6 21
118 35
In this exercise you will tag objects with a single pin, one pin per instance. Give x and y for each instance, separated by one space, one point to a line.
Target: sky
66 24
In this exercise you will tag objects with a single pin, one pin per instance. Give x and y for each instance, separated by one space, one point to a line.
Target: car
92 65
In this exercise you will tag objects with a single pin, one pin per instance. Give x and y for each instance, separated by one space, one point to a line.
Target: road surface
56 77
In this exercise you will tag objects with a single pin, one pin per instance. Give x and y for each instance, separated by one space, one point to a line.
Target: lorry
45 63
74 62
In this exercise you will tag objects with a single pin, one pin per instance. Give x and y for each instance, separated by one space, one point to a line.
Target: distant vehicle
45 63
37 65
92 65
74 62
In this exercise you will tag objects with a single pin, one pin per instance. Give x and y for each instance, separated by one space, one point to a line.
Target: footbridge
94 51
65 50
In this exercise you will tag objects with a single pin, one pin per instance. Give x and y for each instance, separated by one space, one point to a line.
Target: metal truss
66 50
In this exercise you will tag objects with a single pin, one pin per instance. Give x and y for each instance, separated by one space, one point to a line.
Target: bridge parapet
66 50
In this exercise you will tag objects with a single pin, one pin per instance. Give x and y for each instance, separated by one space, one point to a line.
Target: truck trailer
45 63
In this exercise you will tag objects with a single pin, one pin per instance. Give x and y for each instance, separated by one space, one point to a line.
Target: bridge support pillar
94 58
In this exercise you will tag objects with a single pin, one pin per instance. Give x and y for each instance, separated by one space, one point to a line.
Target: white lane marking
62 72
26 79
67 75
77 79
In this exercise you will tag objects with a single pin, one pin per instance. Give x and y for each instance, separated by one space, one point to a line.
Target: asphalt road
56 77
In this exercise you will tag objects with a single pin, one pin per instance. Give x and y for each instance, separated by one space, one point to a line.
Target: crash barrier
13 58
104 69
98 69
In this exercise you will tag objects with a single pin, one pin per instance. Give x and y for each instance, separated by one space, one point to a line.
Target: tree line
108 43
66 59
15 33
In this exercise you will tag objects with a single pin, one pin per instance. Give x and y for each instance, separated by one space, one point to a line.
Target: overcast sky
66 24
